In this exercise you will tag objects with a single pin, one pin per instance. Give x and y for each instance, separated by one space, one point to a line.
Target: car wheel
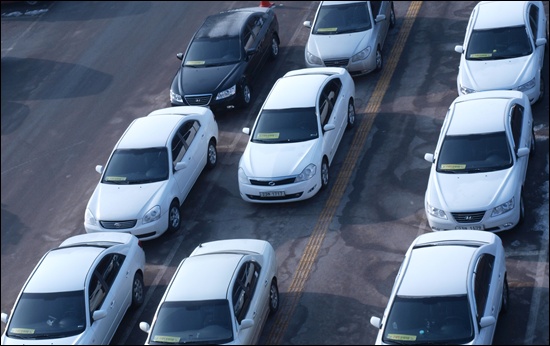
379 60
324 174
274 48
351 114
138 290
174 217
533 143
273 297
392 17
246 95
505 296
212 157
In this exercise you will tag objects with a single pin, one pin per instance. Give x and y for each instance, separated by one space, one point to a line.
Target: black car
223 58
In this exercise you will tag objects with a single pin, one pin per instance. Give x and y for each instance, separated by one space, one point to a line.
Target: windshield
48 316
339 19
433 320
193 322
485 152
137 166
501 43
213 51
286 126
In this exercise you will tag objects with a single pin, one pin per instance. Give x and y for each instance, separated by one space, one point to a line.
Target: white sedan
151 171
296 135
480 163
504 48
450 290
79 292
349 34
222 293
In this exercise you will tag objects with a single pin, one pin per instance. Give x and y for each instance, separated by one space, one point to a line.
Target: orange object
266 4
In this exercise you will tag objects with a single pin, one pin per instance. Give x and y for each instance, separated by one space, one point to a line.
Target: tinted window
244 289
501 43
534 20
517 124
286 126
482 283
137 166
338 19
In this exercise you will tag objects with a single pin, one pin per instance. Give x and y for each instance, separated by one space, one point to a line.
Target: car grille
198 100
281 198
285 181
118 224
336 63
475 216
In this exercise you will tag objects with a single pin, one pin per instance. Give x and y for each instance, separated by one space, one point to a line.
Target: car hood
467 192
497 74
124 202
261 160
205 80
338 46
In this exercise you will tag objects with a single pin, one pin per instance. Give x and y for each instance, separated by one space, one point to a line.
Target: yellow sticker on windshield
162 338
327 29
453 166
195 62
22 331
115 178
481 55
273 135
402 337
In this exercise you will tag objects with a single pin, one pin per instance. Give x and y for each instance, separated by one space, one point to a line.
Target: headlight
527 86
307 173
226 93
503 208
362 55
466 91
243 179
175 98
313 60
433 211
152 215
89 218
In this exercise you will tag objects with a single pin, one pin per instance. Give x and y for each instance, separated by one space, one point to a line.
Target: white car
349 34
79 292
480 163
222 293
450 289
296 135
151 171
504 48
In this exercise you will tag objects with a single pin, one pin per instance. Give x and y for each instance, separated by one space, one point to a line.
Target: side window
482 282
109 267
243 290
534 20
250 34
375 6
516 123
191 133
178 148
183 139
328 99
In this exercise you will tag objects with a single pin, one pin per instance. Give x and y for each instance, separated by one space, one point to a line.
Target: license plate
473 228
272 194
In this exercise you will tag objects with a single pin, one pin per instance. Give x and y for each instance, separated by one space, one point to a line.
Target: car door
537 30
380 29
103 295
520 125
189 147
254 41
487 292
246 298
329 114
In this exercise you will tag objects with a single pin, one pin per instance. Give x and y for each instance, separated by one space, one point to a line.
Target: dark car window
501 43
534 20
244 289
338 19
328 99
137 166
109 267
286 126
375 6
482 283
516 123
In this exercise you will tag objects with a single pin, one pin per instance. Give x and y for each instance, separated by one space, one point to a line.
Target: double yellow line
292 297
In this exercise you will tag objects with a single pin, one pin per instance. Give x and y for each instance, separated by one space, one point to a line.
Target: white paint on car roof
497 14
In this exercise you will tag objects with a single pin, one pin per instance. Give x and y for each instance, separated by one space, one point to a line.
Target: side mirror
429 157
99 169
180 165
380 18
179 56
376 321
246 130
540 42
4 317
247 323
487 321
144 326
523 152
329 127
99 314
307 24
459 49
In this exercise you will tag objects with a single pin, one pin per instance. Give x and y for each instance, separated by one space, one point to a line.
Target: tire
351 114
274 53
541 89
505 297
212 155
533 144
392 18
174 217
324 174
379 60
246 95
521 210
138 294
273 297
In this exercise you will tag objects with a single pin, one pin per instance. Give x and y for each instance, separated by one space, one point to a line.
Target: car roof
63 269
295 91
226 23
497 14
478 116
149 132
436 271
203 277
336 3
